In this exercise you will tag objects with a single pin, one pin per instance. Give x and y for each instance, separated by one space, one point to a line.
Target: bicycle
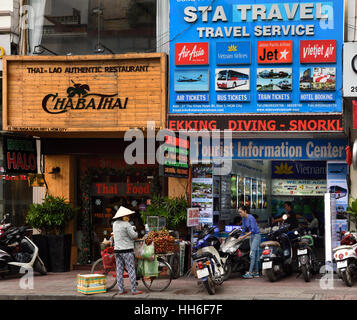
107 266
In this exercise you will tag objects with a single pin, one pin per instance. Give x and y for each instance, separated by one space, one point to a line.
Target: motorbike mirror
285 217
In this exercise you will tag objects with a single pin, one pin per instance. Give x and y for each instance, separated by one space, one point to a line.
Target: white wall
6 5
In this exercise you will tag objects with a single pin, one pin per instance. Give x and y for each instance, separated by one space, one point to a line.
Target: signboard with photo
337 184
202 198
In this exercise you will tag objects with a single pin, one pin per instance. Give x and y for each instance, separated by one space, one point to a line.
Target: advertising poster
234 191
240 191
202 198
304 37
298 187
337 184
247 191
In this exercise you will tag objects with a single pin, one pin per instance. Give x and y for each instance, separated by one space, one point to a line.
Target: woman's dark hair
244 208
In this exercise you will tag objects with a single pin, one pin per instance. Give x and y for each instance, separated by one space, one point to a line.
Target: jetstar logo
79 98
275 51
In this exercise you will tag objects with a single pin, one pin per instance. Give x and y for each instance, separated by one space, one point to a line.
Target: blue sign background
182 31
272 149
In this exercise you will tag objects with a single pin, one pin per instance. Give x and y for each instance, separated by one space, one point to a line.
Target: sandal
137 292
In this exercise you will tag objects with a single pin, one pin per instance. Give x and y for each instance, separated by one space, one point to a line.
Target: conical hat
123 212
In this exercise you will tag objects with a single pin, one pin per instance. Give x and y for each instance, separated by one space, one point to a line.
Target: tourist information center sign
255 57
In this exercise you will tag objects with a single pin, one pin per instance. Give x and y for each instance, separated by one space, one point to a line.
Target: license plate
301 252
201 273
267 265
342 264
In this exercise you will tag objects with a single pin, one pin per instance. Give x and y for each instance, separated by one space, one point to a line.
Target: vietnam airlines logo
274 51
232 48
79 98
283 169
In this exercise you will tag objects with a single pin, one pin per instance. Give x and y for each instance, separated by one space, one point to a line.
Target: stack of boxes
91 283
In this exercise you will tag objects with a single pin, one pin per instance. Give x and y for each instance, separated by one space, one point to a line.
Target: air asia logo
191 53
79 98
275 51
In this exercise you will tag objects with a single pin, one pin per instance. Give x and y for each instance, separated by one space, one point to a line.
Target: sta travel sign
233 56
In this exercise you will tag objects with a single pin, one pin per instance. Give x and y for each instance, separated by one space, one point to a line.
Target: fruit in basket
163 242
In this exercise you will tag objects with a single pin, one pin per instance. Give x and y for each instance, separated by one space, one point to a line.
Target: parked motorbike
346 258
209 264
18 251
277 255
307 260
235 254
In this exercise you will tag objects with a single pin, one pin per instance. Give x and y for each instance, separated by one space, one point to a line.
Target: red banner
259 123
275 51
317 51
191 53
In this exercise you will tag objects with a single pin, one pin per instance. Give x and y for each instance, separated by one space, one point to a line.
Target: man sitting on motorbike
292 216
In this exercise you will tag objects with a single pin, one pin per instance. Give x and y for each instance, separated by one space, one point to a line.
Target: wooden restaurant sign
84 93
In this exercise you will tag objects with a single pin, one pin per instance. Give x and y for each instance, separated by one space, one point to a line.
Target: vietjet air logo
79 98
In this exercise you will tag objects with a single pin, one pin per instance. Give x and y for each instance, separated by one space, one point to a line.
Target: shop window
95 27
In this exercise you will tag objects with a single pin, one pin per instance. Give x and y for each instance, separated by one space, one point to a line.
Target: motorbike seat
343 247
270 243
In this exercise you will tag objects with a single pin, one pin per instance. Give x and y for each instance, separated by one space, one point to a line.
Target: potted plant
352 211
51 217
174 210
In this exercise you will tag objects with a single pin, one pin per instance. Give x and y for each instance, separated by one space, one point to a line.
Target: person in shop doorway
124 236
314 224
250 226
292 219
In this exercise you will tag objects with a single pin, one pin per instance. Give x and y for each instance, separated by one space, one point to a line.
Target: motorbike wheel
346 277
39 266
306 273
227 271
271 275
210 286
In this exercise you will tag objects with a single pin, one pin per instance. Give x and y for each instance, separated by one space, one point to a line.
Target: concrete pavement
62 286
